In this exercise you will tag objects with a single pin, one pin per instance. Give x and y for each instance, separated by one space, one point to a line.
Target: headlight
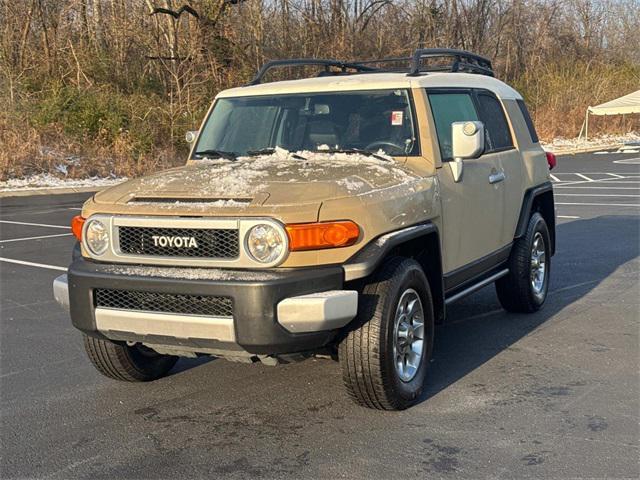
265 243
96 237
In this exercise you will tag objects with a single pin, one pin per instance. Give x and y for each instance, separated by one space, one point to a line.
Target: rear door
473 208
499 141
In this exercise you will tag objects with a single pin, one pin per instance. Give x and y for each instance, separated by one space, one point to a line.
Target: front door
473 208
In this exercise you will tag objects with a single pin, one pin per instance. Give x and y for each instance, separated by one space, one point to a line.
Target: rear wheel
525 288
384 360
127 363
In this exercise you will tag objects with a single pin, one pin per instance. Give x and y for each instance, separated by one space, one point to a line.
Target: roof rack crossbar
463 62
298 62
382 60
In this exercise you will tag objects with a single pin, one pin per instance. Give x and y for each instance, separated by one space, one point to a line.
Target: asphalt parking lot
550 395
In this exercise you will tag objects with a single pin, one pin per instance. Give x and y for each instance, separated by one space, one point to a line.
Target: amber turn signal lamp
76 226
316 236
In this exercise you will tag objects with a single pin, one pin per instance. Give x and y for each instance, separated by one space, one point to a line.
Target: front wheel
127 363
525 288
384 360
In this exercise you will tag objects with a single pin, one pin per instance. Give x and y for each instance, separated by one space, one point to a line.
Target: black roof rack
299 62
463 61
378 61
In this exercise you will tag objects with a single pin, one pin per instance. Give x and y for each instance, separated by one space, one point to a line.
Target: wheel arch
538 199
419 242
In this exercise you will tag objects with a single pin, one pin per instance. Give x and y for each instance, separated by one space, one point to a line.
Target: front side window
446 109
360 120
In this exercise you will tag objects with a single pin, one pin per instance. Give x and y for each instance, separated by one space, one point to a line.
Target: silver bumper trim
165 324
61 291
318 311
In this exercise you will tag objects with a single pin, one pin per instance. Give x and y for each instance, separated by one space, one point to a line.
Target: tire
369 352
125 363
517 291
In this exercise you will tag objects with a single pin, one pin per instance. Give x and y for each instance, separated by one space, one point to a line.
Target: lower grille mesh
204 305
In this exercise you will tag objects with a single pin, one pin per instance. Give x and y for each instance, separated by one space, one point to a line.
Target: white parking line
603 204
34 224
571 187
567 216
614 181
554 178
628 161
35 238
585 177
33 264
595 195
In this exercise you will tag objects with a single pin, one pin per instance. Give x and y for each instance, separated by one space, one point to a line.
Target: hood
269 180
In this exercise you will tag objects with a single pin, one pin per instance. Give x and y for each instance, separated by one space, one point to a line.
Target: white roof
375 81
627 104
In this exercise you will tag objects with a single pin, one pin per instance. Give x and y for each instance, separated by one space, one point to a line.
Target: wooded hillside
111 86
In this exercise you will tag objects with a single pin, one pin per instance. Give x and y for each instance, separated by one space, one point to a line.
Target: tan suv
335 215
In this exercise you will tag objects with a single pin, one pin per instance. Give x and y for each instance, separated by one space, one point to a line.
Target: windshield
371 121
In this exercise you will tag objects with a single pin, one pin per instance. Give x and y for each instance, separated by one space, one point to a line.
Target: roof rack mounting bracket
463 62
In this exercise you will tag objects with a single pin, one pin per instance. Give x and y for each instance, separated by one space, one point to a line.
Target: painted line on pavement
598 188
567 216
615 181
32 264
603 204
35 238
628 161
34 224
595 195
585 177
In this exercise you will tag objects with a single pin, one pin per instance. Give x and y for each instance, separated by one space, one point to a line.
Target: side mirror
467 141
191 136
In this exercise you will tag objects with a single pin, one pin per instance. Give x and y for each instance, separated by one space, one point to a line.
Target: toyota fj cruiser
335 215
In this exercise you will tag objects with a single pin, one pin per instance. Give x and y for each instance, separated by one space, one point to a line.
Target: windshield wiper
355 150
218 154
269 151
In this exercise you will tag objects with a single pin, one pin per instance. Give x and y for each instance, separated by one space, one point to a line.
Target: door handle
497 177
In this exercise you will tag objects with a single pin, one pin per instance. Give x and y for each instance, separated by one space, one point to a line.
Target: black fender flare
418 239
542 191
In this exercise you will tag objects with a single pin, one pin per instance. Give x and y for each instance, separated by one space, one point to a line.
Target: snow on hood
282 177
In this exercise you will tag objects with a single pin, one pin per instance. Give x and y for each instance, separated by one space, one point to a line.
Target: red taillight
76 226
551 160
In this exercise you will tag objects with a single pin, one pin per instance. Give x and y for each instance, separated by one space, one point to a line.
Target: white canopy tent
620 106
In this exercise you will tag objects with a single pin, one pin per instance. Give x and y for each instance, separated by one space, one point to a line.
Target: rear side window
446 109
497 130
527 119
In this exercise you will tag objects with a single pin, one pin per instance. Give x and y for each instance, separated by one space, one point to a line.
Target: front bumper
274 312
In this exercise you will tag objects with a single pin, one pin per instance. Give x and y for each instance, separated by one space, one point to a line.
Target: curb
48 191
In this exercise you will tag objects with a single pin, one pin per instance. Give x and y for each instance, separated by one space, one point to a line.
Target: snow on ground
565 145
46 181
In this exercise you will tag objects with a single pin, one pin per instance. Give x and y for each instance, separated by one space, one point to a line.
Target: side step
474 288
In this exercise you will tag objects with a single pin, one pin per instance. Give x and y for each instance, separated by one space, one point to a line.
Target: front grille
204 305
170 242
